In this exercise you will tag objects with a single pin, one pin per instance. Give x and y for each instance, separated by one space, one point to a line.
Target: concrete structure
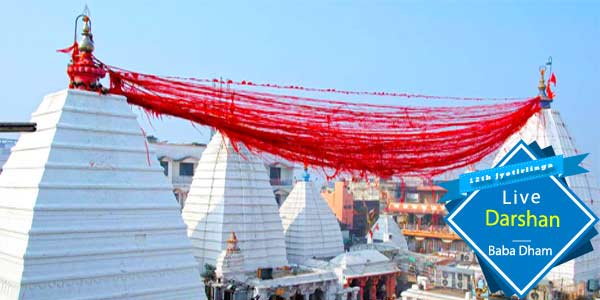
300 283
310 227
416 293
84 213
230 192
369 270
178 162
291 282
421 217
548 129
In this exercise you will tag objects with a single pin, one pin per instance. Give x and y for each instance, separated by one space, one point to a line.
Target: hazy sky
438 47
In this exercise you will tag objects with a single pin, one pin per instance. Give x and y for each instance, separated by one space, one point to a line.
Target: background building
5 145
341 202
281 177
179 162
412 201
422 218
351 209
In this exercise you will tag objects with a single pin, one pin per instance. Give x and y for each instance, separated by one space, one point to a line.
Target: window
186 169
165 166
275 173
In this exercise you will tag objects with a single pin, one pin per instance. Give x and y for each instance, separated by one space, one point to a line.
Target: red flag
69 49
549 92
377 226
552 79
74 50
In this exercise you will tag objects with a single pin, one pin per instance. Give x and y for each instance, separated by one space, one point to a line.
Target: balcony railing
280 182
430 231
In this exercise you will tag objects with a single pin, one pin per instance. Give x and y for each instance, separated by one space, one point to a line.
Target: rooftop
176 151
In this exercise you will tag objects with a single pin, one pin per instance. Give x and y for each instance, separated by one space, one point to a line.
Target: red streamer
336 91
348 137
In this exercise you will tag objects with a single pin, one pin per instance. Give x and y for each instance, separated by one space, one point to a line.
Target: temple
310 227
87 212
230 192
248 248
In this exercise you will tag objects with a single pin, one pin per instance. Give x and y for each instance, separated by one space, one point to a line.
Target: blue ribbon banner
513 173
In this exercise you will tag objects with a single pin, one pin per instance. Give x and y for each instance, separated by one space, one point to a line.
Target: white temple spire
231 192
85 214
310 227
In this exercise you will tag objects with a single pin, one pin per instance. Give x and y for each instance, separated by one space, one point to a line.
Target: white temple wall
84 212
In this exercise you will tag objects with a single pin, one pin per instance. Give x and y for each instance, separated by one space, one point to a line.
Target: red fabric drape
348 137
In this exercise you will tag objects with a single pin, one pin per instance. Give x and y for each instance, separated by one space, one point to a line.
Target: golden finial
232 245
87 40
542 84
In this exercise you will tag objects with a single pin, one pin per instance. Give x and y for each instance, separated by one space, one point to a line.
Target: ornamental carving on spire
84 71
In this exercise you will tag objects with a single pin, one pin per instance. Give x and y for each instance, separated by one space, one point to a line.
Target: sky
452 48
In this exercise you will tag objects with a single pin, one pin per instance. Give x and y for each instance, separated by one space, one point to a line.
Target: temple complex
257 251
87 213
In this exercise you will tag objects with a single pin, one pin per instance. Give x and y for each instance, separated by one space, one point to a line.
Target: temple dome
231 192
86 213
548 129
310 227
